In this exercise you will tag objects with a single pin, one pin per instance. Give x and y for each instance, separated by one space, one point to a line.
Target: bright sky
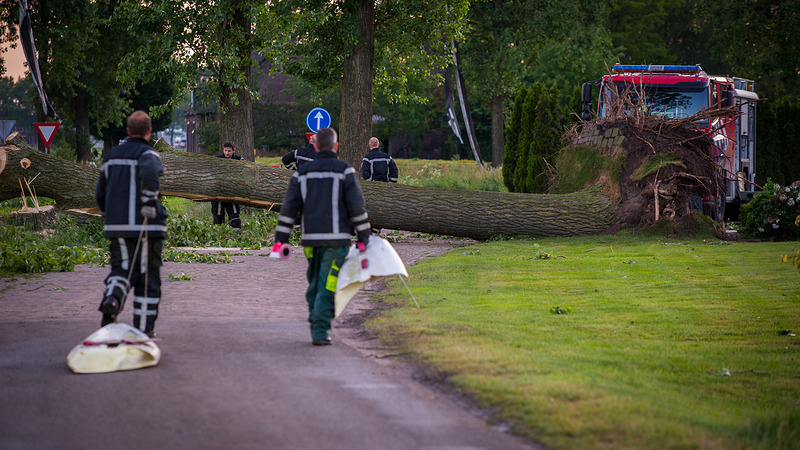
14 59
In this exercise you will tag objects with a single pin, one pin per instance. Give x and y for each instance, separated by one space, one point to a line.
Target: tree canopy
363 45
197 43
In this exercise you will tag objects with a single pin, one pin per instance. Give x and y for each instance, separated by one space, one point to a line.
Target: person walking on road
127 194
377 165
295 159
220 208
326 194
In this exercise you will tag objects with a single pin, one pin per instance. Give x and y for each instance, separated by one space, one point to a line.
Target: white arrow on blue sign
317 119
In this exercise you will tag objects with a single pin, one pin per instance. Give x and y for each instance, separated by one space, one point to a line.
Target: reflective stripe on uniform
142 309
116 282
132 198
152 152
143 259
123 253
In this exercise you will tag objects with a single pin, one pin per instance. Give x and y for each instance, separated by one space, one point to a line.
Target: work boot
326 341
110 308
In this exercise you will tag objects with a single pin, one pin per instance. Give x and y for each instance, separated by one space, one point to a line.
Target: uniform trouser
145 278
219 209
323 273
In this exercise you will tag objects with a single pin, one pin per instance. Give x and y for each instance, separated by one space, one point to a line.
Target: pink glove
362 248
281 250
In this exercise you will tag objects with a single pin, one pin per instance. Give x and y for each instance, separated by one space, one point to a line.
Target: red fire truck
677 92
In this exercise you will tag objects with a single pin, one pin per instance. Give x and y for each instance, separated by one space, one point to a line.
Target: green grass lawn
463 174
666 344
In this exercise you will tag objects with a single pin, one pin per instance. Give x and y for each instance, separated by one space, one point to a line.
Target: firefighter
327 196
377 165
219 208
127 193
295 159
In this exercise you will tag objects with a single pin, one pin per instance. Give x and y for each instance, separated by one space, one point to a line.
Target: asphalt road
237 372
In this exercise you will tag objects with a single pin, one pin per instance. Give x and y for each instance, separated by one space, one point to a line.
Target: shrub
512 140
773 213
25 251
533 136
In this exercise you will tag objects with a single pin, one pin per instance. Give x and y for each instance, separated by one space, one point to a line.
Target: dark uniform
327 194
294 160
378 166
129 180
219 209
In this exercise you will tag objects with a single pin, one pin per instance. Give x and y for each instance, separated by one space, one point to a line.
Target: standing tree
535 132
196 41
512 140
143 96
361 44
757 40
502 48
77 65
522 168
545 137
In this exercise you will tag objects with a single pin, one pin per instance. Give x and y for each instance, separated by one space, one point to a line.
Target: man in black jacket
377 165
127 193
218 208
295 159
326 193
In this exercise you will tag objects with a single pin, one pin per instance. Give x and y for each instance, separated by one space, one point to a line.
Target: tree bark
355 123
68 183
83 145
236 105
474 214
236 122
497 131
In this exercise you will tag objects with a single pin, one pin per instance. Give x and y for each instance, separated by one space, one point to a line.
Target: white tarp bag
382 261
114 347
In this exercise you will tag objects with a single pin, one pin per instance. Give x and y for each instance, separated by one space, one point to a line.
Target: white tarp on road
114 347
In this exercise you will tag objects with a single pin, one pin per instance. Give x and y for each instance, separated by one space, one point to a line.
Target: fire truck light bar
619 68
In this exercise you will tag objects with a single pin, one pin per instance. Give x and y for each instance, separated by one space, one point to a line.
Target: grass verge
462 174
666 344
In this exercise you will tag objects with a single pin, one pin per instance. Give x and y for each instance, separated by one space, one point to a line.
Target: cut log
474 214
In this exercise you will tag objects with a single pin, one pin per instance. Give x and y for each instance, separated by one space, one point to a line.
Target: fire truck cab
677 92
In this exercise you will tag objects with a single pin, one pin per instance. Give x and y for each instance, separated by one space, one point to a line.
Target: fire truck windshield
663 100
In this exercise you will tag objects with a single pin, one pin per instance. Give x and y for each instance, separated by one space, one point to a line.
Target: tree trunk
355 123
474 214
236 105
83 144
68 183
497 131
236 123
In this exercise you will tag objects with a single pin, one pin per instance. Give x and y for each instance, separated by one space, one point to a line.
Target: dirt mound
659 169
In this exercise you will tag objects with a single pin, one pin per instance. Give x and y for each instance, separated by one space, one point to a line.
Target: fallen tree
474 214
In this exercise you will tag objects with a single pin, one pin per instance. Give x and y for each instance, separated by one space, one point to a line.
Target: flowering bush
773 213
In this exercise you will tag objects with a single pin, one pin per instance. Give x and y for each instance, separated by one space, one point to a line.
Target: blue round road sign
317 119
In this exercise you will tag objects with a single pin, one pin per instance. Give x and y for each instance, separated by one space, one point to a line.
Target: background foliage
534 134
507 44
774 213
